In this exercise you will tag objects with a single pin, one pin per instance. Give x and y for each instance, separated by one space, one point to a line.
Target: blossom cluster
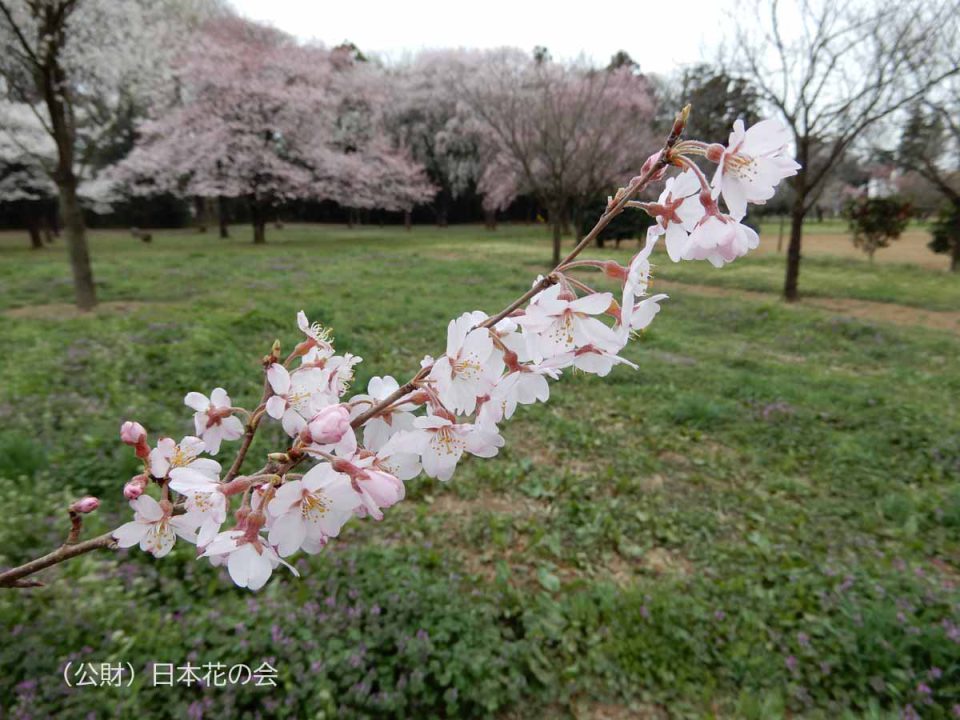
365 447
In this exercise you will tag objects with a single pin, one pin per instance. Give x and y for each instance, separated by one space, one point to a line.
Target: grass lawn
762 521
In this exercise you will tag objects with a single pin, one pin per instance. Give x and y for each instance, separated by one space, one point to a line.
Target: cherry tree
428 116
23 179
562 133
350 457
261 118
75 64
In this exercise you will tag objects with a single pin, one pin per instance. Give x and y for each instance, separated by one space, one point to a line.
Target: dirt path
948 320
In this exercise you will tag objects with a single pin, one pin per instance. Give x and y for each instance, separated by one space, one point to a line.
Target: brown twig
13 577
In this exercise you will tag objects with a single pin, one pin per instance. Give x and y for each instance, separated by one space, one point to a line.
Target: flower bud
649 164
135 487
329 425
132 433
85 505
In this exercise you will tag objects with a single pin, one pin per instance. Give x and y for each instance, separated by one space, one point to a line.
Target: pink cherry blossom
720 239
213 419
598 361
340 372
375 487
752 165
153 528
525 386
396 457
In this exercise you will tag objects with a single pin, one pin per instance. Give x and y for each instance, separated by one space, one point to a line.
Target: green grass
762 521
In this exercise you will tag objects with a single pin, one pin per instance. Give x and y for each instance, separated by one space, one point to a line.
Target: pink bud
649 165
135 487
85 505
329 425
132 432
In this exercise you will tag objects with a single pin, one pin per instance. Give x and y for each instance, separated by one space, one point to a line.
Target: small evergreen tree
876 222
946 234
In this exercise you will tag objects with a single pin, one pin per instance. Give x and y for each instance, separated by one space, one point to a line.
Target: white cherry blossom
470 362
441 443
314 507
169 454
204 501
378 430
677 212
297 396
249 562
213 419
561 325
752 165
153 528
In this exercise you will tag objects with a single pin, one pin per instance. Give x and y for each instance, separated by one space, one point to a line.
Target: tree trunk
797 214
200 211
407 220
33 227
84 290
222 218
490 219
259 219
54 87
955 250
443 209
46 229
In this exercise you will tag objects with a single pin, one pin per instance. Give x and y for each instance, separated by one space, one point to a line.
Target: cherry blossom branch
649 173
282 512
13 578
252 424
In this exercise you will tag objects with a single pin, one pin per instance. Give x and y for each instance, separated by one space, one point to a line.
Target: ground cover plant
776 533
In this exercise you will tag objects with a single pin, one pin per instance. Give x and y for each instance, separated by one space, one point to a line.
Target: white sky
650 31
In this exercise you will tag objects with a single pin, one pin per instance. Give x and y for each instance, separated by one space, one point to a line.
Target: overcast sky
596 28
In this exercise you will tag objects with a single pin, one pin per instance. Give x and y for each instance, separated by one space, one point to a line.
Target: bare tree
833 68
562 133
930 147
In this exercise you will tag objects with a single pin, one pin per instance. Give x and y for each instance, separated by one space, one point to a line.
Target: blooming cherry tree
453 406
